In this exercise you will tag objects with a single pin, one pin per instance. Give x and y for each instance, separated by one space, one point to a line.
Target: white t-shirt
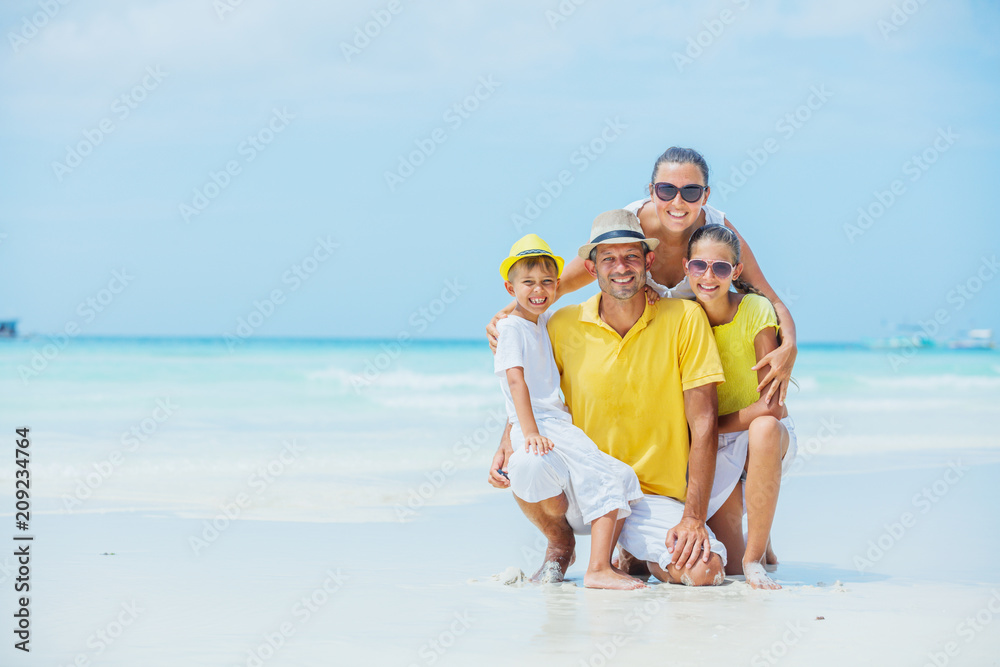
523 344
681 290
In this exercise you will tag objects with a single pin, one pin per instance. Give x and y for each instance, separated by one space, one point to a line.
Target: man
636 378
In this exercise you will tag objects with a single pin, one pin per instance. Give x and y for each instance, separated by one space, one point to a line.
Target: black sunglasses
689 193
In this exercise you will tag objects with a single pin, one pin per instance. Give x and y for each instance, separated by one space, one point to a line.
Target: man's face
620 269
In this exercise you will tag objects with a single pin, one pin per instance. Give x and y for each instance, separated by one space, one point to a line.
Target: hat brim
584 251
510 261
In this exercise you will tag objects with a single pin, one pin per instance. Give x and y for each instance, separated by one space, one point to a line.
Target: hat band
617 234
533 252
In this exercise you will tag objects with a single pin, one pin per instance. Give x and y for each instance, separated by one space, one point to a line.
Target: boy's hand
651 296
538 444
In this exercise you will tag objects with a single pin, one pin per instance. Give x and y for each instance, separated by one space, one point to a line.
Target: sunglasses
689 193
698 267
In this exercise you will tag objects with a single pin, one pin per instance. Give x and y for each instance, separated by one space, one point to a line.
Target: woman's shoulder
713 216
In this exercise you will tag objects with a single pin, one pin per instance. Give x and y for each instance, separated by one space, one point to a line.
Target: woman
675 208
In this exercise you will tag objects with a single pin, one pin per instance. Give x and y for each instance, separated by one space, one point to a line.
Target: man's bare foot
557 561
611 580
628 564
757 578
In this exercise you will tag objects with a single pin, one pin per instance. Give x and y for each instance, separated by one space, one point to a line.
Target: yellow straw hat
530 245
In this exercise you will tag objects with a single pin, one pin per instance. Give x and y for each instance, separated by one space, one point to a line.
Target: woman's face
678 215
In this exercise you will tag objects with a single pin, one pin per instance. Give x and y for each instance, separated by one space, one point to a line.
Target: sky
307 169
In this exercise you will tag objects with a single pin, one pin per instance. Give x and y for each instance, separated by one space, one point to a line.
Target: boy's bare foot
558 558
611 580
628 564
757 578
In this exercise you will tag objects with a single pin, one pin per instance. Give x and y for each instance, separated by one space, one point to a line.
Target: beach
325 503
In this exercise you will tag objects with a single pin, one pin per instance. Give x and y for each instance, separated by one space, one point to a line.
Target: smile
539 301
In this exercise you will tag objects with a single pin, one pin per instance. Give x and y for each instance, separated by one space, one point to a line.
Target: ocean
357 431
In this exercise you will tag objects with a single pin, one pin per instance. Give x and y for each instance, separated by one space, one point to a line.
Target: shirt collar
590 312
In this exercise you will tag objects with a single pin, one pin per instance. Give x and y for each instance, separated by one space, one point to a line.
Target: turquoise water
377 420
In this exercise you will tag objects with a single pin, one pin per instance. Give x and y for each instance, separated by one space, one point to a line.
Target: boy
598 488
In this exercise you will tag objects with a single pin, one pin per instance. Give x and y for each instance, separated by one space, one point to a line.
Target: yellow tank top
735 341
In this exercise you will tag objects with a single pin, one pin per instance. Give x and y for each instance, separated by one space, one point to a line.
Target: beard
621 292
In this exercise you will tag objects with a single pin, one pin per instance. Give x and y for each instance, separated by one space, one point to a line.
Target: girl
677 206
756 436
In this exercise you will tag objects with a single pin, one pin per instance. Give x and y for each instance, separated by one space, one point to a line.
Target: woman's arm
778 362
764 343
574 276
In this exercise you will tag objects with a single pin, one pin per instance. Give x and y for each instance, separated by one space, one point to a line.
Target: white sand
421 593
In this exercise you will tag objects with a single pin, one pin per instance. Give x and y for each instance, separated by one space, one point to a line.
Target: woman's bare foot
770 559
757 578
557 561
611 579
628 564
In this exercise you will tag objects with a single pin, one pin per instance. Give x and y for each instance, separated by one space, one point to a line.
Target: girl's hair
724 235
676 155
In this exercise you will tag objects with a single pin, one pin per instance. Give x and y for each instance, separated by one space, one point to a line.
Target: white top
681 290
523 344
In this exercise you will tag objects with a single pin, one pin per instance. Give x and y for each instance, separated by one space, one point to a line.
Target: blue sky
226 163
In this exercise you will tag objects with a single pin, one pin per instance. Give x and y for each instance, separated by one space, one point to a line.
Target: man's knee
765 433
711 573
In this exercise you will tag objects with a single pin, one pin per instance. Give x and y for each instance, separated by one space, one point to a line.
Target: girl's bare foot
757 578
628 564
610 579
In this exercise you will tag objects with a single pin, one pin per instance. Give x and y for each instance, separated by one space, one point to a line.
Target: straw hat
618 226
530 245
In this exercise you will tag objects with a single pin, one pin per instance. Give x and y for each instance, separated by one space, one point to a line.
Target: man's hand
500 460
687 541
538 444
491 329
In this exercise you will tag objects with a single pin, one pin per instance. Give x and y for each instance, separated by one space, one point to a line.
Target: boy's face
534 289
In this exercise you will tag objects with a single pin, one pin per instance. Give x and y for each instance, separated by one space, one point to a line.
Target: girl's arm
533 441
574 276
765 342
778 362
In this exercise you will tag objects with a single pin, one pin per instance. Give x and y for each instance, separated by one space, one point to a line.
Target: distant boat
8 328
974 339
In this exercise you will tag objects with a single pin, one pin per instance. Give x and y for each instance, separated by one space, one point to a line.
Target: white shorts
731 460
594 483
645 532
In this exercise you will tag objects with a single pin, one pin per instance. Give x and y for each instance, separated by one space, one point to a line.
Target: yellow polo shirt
627 393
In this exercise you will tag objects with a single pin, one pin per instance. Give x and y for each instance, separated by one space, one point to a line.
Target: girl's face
708 286
678 215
